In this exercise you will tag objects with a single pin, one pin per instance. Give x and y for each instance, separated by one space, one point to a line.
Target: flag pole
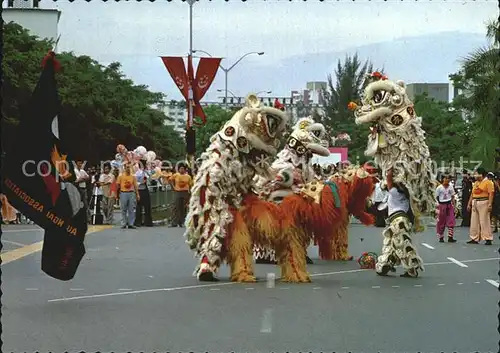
190 157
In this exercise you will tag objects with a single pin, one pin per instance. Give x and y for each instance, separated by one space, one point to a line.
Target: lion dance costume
224 212
291 170
397 143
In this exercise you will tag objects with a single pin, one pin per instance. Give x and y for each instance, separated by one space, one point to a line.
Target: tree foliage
446 131
216 118
104 106
344 86
479 83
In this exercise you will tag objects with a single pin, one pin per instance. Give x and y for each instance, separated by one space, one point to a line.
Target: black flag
38 176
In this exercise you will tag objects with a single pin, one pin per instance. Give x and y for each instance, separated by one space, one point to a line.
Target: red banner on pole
200 83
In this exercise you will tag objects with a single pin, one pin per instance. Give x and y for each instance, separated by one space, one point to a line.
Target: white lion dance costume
225 215
397 143
291 170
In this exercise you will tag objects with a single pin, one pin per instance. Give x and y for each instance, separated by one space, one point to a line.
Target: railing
162 197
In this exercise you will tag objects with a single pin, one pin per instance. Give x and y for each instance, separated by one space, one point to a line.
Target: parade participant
292 169
397 143
398 247
222 205
466 192
379 199
495 213
81 182
446 211
129 195
108 201
480 205
182 183
142 175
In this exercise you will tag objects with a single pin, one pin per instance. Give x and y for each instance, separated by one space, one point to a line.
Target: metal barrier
162 197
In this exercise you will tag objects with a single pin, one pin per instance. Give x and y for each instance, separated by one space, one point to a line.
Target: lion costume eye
301 150
292 142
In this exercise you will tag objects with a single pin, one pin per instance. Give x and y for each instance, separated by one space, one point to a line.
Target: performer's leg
406 251
124 201
484 221
291 256
240 251
387 259
146 201
441 222
450 223
475 227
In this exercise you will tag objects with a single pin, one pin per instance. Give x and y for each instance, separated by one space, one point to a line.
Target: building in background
176 113
438 91
42 23
316 89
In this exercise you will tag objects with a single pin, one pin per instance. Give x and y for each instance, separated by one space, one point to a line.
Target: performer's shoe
309 261
385 270
472 242
487 242
441 240
451 240
410 274
132 227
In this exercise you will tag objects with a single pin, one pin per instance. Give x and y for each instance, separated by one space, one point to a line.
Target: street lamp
266 92
231 67
229 91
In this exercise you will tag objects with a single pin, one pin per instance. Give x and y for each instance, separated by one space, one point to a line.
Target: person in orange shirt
129 195
181 182
480 203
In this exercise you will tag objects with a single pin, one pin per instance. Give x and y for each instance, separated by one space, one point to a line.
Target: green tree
344 86
105 107
446 131
479 83
216 118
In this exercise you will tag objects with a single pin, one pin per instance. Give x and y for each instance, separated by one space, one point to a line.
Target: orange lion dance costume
225 216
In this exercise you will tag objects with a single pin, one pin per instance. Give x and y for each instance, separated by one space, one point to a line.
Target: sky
137 33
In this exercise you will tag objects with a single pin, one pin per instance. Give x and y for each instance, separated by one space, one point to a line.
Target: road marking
440 284
344 287
76 289
214 288
428 246
150 276
124 289
31 288
417 285
456 262
375 287
477 282
22 230
284 288
267 324
316 288
249 288
172 289
395 286
492 282
12 242
271 280
17 254
459 283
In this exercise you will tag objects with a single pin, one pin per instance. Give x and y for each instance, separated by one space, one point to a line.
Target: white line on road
284 288
459 283
267 324
477 282
76 289
456 262
249 288
492 282
124 289
428 246
214 288
375 287
440 284
12 242
31 288
22 230
417 285
316 288
172 289
395 286
344 287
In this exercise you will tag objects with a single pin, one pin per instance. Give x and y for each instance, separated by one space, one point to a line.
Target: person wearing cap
481 204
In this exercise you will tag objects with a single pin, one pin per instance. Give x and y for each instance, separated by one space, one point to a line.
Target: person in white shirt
445 194
143 174
379 197
81 183
398 247
108 200
96 194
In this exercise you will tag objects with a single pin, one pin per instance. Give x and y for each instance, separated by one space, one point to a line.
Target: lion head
308 138
255 131
397 139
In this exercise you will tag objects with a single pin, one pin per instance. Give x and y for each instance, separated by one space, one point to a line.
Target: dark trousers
466 215
181 199
85 200
144 203
380 216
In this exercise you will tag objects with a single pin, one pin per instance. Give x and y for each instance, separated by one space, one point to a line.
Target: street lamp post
226 71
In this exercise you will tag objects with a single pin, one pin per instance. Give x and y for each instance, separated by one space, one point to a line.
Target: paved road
134 292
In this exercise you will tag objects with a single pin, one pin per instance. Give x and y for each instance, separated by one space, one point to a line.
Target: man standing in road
129 194
81 183
108 201
480 205
182 183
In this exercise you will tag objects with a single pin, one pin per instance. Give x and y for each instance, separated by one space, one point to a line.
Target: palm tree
479 81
